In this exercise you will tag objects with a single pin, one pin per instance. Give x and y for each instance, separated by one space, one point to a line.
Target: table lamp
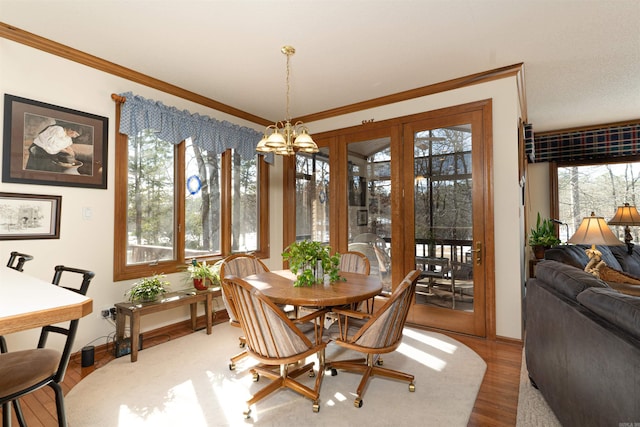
594 231
626 215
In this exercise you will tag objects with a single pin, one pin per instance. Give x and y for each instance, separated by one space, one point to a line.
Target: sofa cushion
620 309
629 263
568 280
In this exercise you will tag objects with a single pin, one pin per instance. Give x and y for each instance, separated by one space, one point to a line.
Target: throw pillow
620 281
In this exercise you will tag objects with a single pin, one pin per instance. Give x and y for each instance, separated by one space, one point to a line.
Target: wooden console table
170 300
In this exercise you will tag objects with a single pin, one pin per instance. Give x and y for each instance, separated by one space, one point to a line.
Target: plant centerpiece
202 274
542 237
148 289
311 261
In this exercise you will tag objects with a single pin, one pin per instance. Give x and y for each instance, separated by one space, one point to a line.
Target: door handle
477 253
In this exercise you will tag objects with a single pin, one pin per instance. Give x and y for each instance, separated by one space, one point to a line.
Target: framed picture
50 145
363 217
29 216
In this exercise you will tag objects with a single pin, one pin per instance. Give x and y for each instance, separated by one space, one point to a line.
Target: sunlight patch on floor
430 341
426 359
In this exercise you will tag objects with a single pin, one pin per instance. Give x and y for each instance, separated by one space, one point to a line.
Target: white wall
506 188
88 244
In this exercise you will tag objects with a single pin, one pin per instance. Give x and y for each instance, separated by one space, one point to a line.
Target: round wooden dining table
278 286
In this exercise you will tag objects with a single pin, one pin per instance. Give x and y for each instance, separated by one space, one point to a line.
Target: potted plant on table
311 262
148 289
542 237
202 274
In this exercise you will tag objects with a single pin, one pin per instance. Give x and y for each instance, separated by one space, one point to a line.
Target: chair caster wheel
316 407
334 372
247 414
312 373
256 377
412 387
379 362
242 345
358 402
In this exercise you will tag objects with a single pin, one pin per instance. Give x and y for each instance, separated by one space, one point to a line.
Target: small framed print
50 145
29 216
363 217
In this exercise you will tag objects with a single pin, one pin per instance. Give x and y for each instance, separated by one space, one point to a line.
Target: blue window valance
172 125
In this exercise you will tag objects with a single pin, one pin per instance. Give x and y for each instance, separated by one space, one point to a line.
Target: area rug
533 410
187 382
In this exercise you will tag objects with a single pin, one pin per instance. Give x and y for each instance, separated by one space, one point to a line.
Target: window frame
123 271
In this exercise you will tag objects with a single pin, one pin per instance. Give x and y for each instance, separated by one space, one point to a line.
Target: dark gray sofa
582 346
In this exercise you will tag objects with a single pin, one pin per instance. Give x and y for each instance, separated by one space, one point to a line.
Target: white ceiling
582 57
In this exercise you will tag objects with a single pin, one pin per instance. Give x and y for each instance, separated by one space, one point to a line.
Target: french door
445 183
412 192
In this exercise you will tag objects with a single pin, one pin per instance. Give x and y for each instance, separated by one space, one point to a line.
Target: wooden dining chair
17 260
240 265
374 334
23 372
274 339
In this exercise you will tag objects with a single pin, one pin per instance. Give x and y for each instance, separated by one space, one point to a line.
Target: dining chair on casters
273 339
241 265
381 333
23 372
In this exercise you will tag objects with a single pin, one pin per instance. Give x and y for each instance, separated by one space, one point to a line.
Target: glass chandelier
283 137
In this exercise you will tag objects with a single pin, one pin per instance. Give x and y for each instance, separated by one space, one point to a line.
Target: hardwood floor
496 404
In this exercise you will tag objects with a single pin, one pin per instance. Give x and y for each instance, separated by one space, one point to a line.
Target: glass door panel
369 199
443 212
312 196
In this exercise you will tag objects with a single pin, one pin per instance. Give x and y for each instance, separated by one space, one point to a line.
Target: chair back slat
354 262
268 330
384 329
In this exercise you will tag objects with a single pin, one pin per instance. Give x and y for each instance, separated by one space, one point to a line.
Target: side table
170 300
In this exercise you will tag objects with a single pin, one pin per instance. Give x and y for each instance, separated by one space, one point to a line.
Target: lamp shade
594 230
626 215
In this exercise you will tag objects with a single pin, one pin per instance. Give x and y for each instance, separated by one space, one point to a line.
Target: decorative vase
538 251
200 284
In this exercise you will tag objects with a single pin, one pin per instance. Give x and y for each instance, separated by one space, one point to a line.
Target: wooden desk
170 300
27 302
278 286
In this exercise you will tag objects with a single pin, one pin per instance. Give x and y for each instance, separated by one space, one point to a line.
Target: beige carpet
533 410
187 382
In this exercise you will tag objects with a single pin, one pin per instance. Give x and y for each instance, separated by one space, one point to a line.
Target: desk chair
273 339
374 334
240 265
23 372
17 260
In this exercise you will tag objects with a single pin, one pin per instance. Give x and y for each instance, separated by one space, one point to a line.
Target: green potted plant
202 274
148 289
311 261
542 237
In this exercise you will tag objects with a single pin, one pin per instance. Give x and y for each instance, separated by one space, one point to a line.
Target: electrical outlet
104 313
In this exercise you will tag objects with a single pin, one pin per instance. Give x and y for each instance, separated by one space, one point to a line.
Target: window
598 188
312 196
178 202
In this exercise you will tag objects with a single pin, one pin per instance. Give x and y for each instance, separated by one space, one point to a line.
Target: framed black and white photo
50 145
29 216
